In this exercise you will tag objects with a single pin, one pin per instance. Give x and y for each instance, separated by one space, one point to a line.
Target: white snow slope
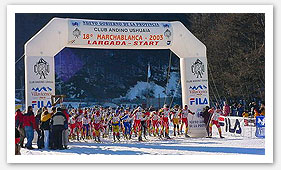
176 146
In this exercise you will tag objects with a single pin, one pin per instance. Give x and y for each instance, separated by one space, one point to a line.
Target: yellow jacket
263 112
45 117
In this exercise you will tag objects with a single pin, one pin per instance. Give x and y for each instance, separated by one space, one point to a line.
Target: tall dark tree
235 48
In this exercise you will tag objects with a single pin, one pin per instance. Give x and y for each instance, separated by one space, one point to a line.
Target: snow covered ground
155 146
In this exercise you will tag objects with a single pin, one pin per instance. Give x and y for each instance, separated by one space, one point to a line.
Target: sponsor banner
198 101
230 126
41 103
197 72
198 93
197 83
260 127
234 126
40 84
260 121
41 92
196 125
198 90
119 33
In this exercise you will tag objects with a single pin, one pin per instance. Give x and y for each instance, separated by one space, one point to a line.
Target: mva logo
198 101
37 89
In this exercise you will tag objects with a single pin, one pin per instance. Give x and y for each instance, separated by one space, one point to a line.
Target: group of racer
97 122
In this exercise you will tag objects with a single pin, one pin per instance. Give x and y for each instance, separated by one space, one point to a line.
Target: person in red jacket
29 126
226 109
17 140
19 126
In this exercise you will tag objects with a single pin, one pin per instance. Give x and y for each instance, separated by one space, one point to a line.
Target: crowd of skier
56 127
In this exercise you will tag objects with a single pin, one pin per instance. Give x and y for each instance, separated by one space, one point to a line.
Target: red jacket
226 110
19 119
66 114
29 120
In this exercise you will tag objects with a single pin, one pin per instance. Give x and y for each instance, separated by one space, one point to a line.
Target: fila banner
41 81
197 93
119 33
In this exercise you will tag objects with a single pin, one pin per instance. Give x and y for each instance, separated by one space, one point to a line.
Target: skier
175 119
184 118
161 125
155 123
85 122
144 118
127 119
116 125
165 111
137 126
121 113
71 124
105 125
79 123
215 121
97 124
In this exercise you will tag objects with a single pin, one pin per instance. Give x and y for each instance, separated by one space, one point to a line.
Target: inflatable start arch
82 33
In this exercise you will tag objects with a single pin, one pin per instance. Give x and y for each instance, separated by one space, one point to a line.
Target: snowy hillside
141 89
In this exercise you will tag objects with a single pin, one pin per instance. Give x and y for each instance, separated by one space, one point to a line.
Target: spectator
240 110
40 139
51 135
29 126
207 117
45 126
253 109
262 109
20 127
58 122
226 109
245 113
234 109
17 140
217 105
65 132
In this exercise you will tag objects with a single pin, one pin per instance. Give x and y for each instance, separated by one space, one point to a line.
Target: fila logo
198 101
40 104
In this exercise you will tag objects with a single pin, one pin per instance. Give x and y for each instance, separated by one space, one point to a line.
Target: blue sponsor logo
166 25
75 23
200 87
40 104
46 89
260 127
198 101
260 121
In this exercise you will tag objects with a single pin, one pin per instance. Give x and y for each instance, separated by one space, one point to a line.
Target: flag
148 71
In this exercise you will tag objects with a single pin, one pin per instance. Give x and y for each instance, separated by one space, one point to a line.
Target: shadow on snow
99 150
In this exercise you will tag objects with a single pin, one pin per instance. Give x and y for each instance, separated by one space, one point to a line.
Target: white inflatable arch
83 33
